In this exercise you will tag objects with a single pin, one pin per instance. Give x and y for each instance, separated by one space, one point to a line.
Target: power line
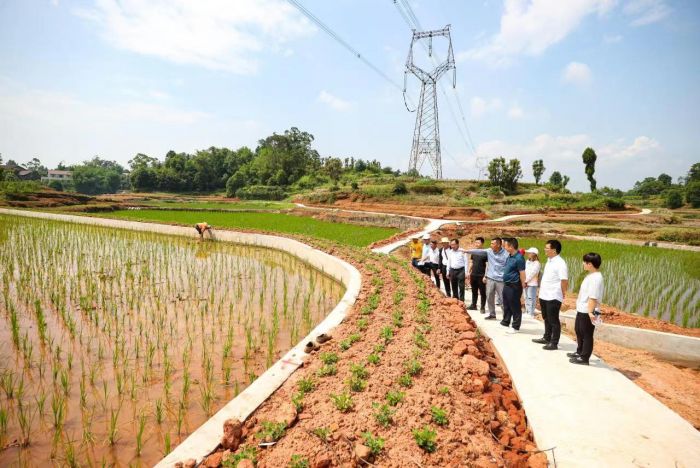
343 43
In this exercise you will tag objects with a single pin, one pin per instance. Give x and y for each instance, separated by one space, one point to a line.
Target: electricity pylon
426 135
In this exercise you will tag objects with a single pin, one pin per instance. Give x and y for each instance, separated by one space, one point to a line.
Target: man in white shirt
555 281
587 309
444 251
457 262
432 261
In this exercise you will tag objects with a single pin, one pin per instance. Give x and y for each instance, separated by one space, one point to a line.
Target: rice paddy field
115 345
648 281
344 233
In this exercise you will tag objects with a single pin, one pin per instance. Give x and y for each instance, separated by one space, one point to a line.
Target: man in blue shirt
496 258
513 282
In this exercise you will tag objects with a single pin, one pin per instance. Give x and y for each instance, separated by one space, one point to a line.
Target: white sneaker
511 331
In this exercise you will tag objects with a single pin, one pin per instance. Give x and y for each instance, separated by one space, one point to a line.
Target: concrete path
591 415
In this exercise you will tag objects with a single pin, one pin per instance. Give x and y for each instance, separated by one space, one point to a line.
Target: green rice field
206 205
349 234
649 281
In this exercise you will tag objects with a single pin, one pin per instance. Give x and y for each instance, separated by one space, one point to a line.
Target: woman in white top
532 278
587 308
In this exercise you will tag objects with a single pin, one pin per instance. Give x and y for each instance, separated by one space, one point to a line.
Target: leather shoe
472 307
549 347
578 360
540 341
572 355
490 317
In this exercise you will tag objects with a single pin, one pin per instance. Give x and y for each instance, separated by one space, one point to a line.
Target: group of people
500 275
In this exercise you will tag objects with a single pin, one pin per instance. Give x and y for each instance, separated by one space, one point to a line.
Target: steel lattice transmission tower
426 135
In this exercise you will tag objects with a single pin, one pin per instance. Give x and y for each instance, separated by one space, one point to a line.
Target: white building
61 176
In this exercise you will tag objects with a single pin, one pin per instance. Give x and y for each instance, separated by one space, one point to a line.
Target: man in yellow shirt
416 252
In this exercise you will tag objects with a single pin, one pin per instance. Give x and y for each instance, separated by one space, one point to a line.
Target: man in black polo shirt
477 270
513 284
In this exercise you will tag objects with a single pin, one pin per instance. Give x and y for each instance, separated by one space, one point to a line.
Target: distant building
61 176
20 172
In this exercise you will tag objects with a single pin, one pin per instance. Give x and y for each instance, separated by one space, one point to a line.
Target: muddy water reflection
115 343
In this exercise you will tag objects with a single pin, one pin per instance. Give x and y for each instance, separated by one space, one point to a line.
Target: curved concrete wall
206 438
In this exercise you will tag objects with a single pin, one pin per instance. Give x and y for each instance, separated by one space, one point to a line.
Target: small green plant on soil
298 401
444 390
357 384
342 401
373 359
326 370
398 296
425 438
349 341
322 433
394 397
397 319
387 334
362 324
298 461
245 453
306 385
420 341
406 381
329 358
271 431
413 367
439 416
375 444
358 370
379 348
384 415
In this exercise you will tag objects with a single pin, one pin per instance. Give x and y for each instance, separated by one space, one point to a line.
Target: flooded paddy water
115 345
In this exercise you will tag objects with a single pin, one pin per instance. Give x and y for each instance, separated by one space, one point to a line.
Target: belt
512 284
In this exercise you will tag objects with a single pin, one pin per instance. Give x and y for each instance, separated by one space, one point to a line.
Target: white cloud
334 102
516 112
481 106
577 73
563 154
215 34
646 12
529 27
57 126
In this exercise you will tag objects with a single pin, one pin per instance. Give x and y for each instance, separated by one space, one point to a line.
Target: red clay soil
422 211
486 423
401 235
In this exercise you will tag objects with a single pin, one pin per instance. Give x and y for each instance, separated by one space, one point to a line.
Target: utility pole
426 135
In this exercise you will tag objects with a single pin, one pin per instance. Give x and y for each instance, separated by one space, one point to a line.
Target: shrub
261 192
399 189
427 187
425 438
56 185
692 193
354 185
673 199
235 182
683 236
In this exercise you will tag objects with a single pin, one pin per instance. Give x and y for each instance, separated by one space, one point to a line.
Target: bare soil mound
422 211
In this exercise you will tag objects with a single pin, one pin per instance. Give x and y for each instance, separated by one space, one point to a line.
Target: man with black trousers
456 269
444 250
477 270
555 281
513 284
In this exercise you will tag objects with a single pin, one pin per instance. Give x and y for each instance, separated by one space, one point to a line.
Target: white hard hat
426 236
533 250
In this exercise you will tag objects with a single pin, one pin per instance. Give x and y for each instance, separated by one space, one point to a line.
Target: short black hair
456 241
593 258
498 239
512 241
480 239
555 244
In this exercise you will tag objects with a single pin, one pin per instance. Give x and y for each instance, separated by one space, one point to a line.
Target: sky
535 79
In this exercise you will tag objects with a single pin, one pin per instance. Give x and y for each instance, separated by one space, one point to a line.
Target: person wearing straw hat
532 279
444 252
202 228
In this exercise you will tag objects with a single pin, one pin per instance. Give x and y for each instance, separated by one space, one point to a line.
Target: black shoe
540 341
550 347
505 324
482 310
490 317
572 355
472 307
578 360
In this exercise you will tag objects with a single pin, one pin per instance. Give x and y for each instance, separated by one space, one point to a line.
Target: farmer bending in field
202 228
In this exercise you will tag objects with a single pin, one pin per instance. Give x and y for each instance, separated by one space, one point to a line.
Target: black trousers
511 304
434 269
445 280
552 325
478 287
584 335
457 279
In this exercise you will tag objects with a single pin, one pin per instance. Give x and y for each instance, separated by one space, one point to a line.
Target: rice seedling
139 433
